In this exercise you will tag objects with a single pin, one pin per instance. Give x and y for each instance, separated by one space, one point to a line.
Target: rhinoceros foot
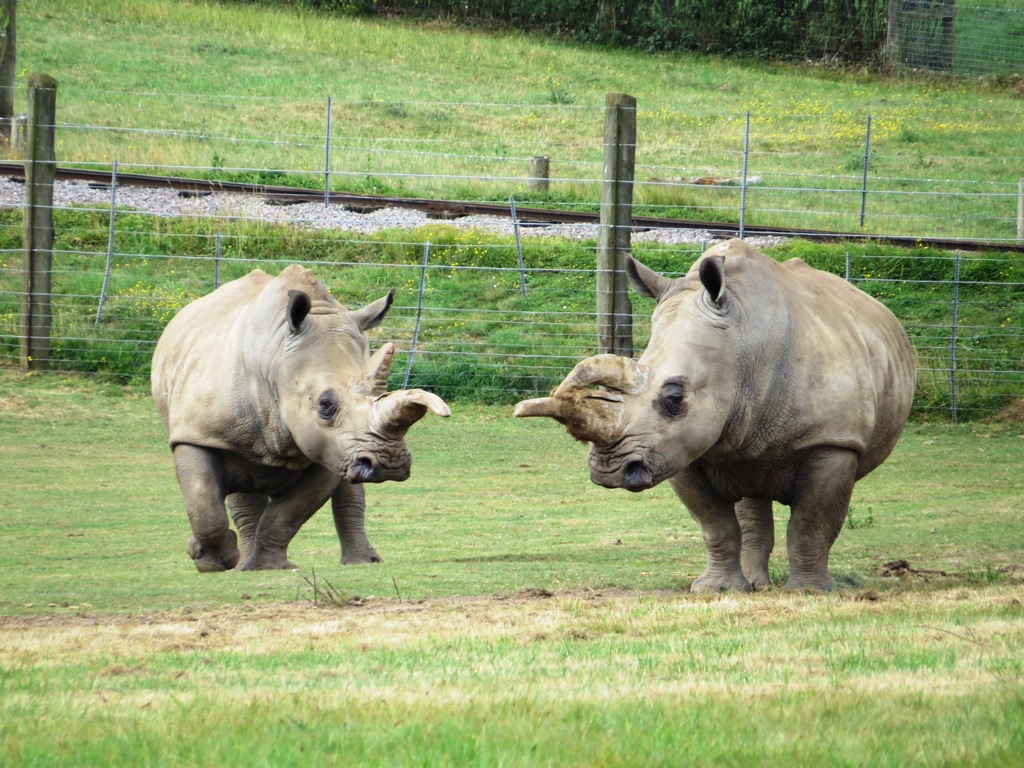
211 557
809 583
267 563
721 582
361 557
758 578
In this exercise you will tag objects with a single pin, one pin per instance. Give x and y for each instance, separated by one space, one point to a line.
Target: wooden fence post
1020 210
614 309
40 168
540 173
893 33
606 21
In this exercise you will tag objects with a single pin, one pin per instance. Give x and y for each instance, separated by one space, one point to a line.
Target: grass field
521 617
240 91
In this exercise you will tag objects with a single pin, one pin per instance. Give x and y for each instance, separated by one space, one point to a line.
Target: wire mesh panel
476 316
976 37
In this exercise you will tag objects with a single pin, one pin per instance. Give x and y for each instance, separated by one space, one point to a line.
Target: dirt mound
899 568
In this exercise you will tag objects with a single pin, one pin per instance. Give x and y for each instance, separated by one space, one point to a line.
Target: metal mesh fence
476 334
977 37
461 320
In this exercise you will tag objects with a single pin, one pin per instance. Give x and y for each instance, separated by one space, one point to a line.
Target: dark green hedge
840 30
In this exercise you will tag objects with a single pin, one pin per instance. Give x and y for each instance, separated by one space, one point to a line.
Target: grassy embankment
241 91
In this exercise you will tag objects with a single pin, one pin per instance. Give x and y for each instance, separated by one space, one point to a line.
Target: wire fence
467 330
481 314
977 37
803 165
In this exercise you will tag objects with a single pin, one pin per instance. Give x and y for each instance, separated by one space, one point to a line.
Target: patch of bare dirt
1013 413
896 568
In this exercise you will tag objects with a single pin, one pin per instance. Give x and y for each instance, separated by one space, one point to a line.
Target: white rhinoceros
272 403
762 381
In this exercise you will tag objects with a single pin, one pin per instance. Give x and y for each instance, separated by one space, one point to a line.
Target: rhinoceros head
647 419
334 399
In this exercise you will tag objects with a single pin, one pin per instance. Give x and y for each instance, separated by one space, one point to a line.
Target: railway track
454 209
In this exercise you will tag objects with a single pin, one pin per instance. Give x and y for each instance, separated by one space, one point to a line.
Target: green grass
522 615
240 92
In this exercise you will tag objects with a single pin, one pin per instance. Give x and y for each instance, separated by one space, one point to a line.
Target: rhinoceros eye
328 405
672 398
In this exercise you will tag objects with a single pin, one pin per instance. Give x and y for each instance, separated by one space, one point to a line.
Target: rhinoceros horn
588 402
373 380
395 412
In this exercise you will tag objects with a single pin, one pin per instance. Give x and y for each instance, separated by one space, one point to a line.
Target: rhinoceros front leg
213 546
283 517
757 526
820 503
719 528
349 507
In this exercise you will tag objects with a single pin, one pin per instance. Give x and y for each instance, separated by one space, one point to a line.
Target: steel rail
526 215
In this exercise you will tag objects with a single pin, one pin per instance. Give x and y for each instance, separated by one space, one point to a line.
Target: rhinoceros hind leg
283 517
819 508
246 511
758 536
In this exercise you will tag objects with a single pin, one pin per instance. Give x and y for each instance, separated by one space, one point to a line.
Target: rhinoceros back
198 379
859 363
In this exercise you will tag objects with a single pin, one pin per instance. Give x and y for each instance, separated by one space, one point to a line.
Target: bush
847 30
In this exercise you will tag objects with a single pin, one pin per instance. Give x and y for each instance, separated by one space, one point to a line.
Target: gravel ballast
171 203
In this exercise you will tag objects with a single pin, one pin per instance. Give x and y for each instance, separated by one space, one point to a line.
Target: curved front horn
373 380
395 412
541 406
589 414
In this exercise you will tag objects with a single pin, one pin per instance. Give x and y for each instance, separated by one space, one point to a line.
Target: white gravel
170 203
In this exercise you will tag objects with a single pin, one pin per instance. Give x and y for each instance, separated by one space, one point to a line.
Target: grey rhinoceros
762 381
272 402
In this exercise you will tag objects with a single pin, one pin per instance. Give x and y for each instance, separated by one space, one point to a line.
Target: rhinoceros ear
712 277
298 307
646 281
371 315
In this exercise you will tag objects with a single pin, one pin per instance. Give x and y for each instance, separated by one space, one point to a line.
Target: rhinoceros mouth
371 467
633 473
367 469
637 476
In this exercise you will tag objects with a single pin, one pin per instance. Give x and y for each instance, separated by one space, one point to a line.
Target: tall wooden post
40 168
614 309
893 43
606 21
8 65
540 173
1020 210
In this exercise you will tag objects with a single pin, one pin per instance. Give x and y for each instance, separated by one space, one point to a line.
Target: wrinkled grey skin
762 381
273 405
